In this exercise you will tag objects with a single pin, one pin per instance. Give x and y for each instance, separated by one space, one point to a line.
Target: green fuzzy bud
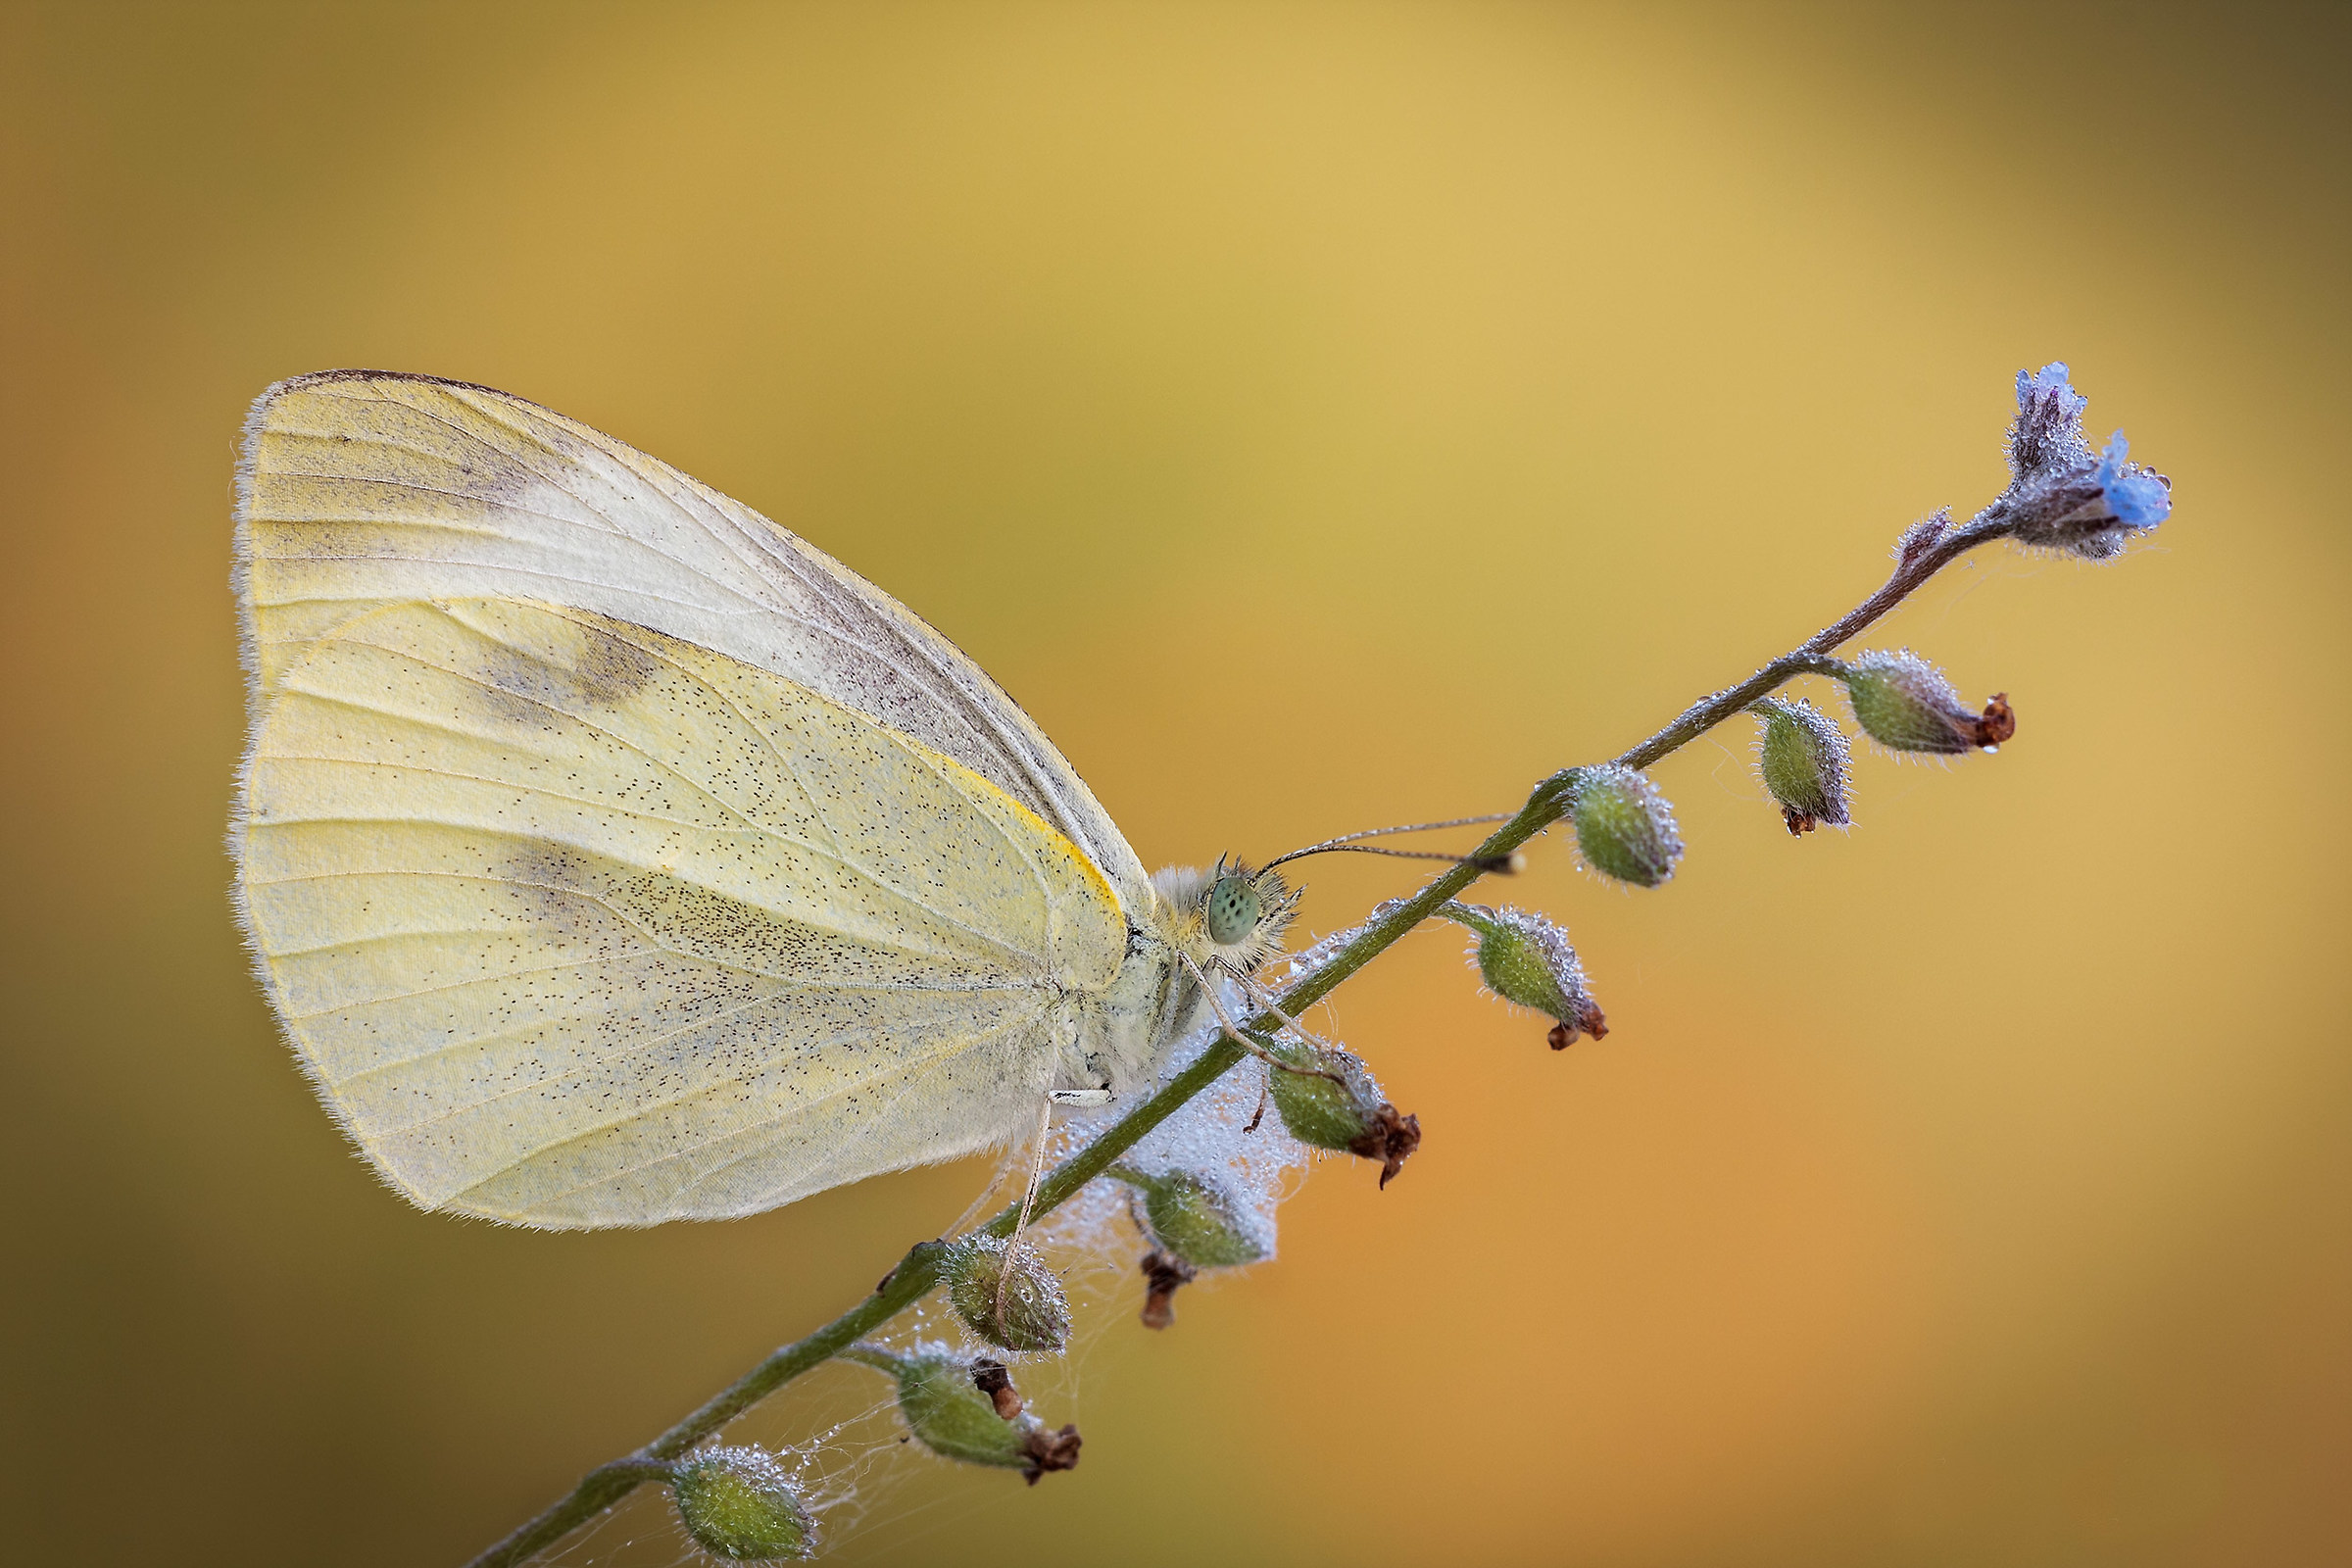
944 1410
1526 960
1191 1219
1904 704
1624 826
947 1413
740 1505
1005 1295
1802 758
1328 1100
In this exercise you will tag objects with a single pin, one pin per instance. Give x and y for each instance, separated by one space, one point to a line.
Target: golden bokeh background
1316 416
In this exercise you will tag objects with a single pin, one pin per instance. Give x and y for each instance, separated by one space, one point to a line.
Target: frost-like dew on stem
1222 1135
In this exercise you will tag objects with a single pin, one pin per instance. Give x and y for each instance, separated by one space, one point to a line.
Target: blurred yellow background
1971 1189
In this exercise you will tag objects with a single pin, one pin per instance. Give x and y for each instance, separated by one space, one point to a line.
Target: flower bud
1328 1100
740 1505
1005 1295
949 1414
2048 432
945 1411
1624 826
1527 961
1191 1219
1904 704
1802 758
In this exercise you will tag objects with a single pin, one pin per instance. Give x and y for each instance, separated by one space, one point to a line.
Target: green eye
1232 908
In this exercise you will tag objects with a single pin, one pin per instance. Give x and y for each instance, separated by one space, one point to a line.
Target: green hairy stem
918 1273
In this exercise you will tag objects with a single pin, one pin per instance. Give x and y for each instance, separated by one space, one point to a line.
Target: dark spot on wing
713 925
685 917
604 672
560 889
613 668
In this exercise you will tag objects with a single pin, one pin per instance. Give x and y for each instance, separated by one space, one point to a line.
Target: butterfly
611 856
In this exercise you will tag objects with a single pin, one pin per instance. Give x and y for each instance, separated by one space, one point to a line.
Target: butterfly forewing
362 488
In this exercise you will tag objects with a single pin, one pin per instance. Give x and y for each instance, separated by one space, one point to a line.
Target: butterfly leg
1266 998
1037 1174
1216 1004
1233 1031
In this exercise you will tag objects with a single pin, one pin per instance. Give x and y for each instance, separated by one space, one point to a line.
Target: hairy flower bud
1005 1295
1802 758
740 1505
1328 1100
1904 704
2048 432
1526 960
945 1411
1191 1219
1624 826
949 1414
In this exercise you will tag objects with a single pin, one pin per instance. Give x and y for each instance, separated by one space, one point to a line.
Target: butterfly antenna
1349 844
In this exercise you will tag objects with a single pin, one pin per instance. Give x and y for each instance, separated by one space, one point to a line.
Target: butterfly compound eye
1232 909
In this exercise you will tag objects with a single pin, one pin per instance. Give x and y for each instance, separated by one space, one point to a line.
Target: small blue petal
2138 500
2050 381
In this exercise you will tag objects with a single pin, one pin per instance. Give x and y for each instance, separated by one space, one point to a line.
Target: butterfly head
1228 918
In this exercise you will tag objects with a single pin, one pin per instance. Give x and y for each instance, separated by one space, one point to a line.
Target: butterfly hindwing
576 923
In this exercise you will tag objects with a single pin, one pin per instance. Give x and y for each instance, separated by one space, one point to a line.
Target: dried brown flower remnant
991 1379
1999 721
1162 1276
1390 1140
1589 1022
1051 1450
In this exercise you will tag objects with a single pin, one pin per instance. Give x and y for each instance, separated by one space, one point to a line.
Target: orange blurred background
1974 1188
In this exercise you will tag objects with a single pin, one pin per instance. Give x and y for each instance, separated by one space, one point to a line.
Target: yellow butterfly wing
576 923
360 488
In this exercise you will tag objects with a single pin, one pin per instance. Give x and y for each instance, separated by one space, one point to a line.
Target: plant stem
918 1273
1812 656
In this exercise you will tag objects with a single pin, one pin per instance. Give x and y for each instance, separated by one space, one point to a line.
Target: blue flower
2137 498
2064 496
2050 381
